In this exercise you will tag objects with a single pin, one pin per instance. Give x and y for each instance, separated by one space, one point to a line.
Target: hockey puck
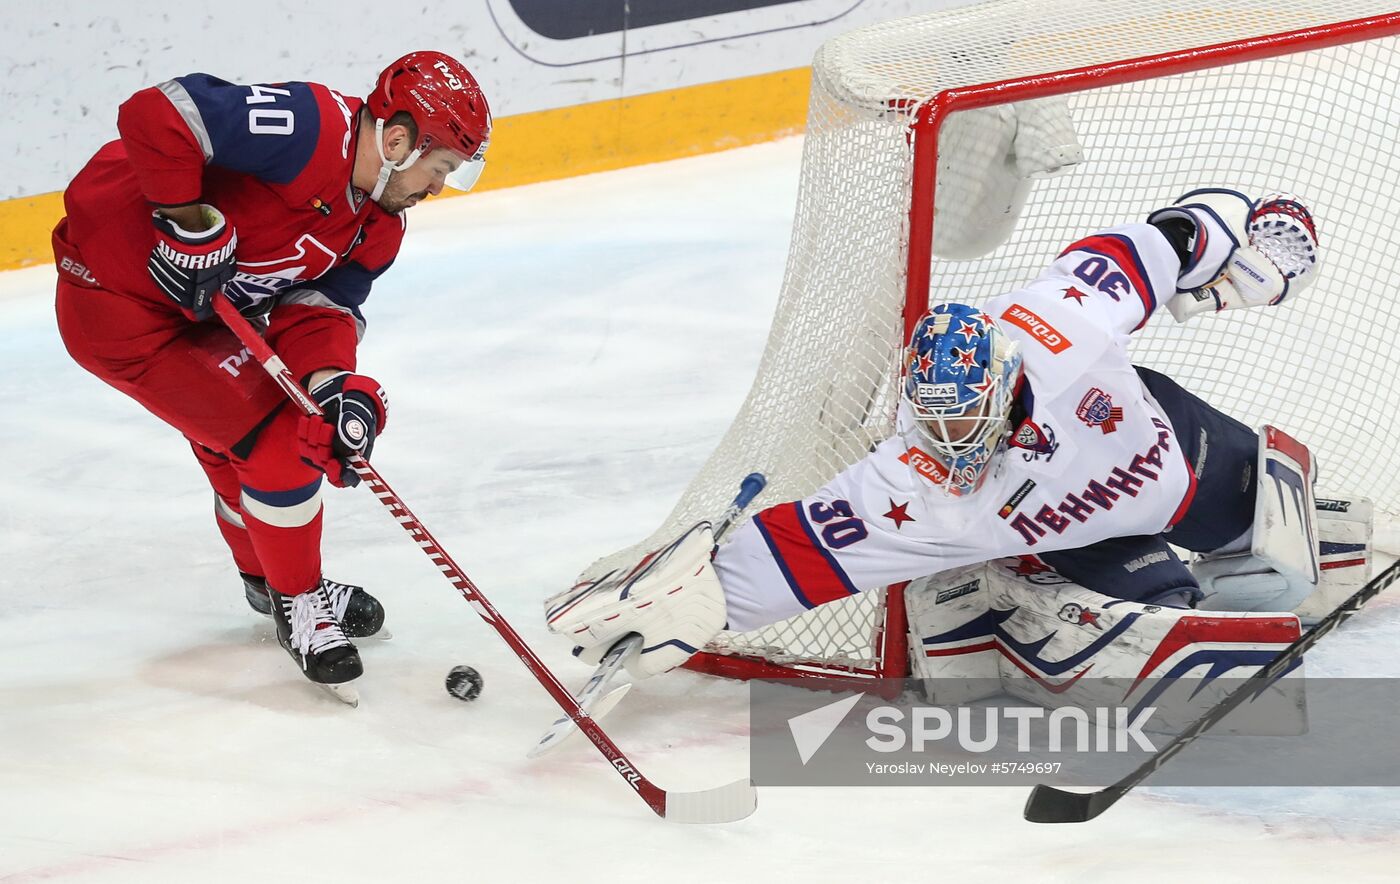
464 683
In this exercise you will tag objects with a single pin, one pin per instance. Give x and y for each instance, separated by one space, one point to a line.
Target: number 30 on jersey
839 525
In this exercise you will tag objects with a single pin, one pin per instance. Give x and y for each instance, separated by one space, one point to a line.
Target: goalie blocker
671 598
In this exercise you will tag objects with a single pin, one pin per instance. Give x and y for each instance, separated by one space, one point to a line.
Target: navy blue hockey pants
1222 452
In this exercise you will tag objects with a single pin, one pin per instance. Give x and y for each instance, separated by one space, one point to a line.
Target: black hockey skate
360 614
310 633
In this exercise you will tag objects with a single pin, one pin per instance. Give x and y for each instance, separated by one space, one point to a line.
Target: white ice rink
560 359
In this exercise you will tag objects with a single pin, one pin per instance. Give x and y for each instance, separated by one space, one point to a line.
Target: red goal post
1164 97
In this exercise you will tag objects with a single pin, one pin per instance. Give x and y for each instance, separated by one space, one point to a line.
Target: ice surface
560 359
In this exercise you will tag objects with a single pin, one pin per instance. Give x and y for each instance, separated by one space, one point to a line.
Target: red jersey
277 161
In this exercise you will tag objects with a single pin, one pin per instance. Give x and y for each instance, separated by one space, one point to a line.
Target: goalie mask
962 372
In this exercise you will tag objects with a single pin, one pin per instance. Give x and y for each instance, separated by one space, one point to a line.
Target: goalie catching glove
671 598
1240 253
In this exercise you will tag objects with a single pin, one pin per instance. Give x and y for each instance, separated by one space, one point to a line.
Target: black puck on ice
464 683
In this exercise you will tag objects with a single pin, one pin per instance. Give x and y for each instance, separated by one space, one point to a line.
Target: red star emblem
899 513
983 385
1027 566
966 358
925 362
984 319
1076 294
1089 618
967 330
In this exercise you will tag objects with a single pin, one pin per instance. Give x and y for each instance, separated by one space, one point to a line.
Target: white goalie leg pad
671 598
1285 535
1068 646
1046 144
1245 253
1245 582
1280 570
987 160
1344 533
951 645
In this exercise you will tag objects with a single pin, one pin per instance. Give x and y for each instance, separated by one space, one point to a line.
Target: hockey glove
672 599
1240 253
356 410
191 268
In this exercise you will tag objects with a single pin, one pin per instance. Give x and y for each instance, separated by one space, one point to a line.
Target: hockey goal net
1164 97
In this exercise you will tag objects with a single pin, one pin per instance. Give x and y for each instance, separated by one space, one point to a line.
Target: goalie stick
608 667
723 804
1047 804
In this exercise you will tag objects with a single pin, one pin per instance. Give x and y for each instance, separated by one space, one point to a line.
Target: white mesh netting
1319 123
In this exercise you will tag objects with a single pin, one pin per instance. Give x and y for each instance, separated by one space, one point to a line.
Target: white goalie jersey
1092 457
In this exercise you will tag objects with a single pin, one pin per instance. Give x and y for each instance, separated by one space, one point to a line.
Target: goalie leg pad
1069 646
1279 568
1284 510
951 646
671 598
987 160
1344 533
1245 582
1016 626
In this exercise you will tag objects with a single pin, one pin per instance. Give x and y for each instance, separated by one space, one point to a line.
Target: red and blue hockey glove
192 268
356 410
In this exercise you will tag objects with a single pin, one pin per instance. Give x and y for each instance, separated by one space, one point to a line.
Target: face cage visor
962 439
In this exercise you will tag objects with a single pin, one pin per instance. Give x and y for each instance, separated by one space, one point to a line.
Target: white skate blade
345 693
563 729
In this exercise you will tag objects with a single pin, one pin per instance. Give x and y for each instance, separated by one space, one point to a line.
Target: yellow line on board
546 145
25 225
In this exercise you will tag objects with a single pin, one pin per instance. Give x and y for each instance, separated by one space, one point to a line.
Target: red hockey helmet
446 105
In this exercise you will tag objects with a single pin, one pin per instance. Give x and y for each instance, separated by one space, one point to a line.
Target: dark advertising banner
570 19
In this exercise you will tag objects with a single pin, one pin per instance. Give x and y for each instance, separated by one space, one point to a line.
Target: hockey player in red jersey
287 198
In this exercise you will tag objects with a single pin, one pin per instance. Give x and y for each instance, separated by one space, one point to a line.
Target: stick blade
563 730
1047 804
724 804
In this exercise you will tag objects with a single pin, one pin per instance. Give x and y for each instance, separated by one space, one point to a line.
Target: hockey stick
720 805
608 667
1047 804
